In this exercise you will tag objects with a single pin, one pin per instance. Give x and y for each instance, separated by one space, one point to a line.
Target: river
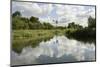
57 50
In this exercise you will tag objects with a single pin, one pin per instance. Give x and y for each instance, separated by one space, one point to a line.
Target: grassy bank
34 34
23 38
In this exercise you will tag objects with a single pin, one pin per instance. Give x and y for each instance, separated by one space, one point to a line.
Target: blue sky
64 14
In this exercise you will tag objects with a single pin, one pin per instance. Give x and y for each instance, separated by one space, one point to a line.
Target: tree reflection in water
58 49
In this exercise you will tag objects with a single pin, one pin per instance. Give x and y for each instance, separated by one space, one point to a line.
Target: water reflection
57 49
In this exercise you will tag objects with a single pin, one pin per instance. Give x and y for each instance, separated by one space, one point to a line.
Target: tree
16 14
74 26
34 19
47 25
71 25
17 23
91 22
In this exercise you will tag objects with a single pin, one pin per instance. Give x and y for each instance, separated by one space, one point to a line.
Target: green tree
17 23
16 14
34 19
74 26
47 25
91 22
71 25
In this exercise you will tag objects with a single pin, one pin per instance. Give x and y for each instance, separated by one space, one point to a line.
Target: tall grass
23 38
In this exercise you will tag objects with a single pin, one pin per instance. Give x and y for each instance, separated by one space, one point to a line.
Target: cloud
73 13
64 14
65 50
29 8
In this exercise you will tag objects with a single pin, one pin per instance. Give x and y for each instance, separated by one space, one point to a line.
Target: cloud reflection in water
58 49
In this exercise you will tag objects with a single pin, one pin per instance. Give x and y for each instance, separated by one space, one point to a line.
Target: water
58 49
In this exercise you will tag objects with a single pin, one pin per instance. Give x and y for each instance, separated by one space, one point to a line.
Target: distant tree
34 19
91 22
47 25
71 25
19 22
74 26
17 13
56 22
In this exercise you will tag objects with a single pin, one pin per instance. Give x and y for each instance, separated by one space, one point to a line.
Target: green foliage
74 26
47 26
19 22
16 14
34 19
30 31
23 38
82 33
91 22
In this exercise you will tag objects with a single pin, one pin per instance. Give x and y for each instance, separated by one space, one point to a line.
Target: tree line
80 32
19 22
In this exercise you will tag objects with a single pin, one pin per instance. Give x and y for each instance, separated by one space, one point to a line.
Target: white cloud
72 13
64 13
56 50
29 9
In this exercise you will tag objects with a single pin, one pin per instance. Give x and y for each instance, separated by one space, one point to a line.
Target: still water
56 50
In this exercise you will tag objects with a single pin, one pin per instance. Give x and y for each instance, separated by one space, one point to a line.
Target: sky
64 14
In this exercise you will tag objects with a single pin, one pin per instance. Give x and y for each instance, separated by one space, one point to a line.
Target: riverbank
23 38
